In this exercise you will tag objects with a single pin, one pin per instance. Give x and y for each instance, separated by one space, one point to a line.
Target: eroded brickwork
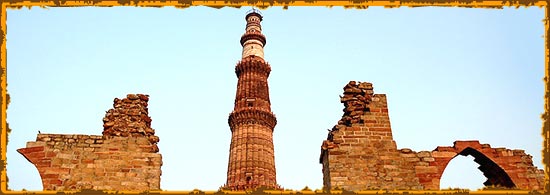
502 167
129 117
125 158
360 153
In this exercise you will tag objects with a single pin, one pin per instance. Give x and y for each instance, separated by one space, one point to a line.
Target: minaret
251 154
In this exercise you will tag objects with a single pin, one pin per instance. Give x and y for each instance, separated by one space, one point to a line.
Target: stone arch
496 176
502 167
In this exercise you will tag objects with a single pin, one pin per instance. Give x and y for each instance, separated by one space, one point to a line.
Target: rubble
129 117
357 99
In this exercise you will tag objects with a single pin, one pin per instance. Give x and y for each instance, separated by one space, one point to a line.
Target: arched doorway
502 167
493 174
462 172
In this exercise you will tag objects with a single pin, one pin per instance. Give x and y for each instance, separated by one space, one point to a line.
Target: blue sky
449 74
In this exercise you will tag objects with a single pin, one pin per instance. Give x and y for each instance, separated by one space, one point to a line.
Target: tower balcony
252 116
252 64
253 35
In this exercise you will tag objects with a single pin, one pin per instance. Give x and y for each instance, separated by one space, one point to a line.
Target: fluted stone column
251 154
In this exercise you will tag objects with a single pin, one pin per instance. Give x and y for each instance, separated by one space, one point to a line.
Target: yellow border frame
361 4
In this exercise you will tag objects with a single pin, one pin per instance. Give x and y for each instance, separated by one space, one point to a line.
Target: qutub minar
359 152
251 155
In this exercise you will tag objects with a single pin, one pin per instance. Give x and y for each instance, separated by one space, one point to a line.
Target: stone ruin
360 153
129 117
125 157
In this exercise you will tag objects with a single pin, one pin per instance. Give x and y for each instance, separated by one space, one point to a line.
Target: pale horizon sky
448 73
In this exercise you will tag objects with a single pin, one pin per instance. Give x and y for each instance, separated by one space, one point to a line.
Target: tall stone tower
251 154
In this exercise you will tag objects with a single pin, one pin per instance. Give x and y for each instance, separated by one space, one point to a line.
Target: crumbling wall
125 158
129 117
424 167
360 152
502 167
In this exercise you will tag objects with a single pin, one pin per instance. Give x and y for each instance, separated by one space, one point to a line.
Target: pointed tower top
253 41
254 12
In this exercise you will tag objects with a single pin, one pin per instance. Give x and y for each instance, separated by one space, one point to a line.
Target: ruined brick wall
502 167
360 152
125 158
71 162
130 118
423 166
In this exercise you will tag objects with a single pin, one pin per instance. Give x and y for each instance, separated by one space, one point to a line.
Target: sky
449 74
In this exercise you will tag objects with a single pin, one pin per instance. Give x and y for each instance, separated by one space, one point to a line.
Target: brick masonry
502 167
360 153
125 157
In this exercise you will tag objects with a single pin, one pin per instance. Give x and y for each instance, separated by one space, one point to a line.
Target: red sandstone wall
125 158
73 162
360 153
502 167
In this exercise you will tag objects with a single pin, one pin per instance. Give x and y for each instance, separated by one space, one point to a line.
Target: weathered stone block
423 154
437 154
428 159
